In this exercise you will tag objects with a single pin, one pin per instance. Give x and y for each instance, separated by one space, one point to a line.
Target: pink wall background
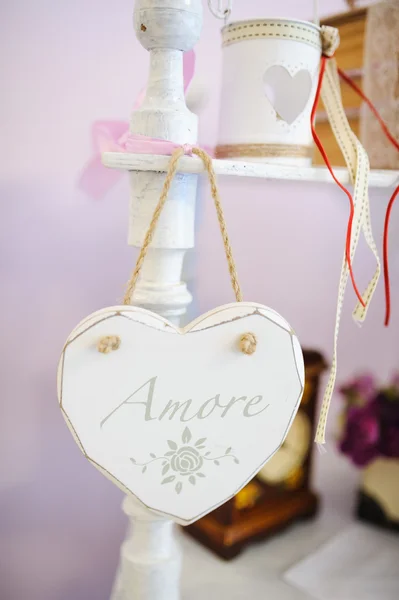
63 65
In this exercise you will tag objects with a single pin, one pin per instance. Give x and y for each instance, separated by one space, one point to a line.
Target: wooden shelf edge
188 164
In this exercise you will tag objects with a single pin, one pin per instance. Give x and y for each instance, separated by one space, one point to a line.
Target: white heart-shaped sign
181 418
287 94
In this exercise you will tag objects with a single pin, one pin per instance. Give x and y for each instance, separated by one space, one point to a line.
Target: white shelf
188 164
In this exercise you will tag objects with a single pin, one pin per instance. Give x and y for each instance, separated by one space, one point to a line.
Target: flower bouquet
370 438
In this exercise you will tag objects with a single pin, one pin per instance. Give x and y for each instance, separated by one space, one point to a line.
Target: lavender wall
63 65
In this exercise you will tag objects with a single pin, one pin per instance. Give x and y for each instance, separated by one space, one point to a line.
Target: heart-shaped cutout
181 418
287 94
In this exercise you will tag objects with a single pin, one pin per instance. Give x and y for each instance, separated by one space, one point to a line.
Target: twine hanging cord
248 341
172 170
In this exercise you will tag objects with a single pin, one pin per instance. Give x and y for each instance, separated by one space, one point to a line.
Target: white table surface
258 572
52 547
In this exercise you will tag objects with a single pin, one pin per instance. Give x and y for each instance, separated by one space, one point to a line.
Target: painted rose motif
184 463
186 460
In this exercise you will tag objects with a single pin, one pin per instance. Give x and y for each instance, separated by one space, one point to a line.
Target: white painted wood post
150 561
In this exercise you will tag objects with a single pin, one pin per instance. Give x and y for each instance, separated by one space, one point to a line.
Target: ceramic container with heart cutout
270 73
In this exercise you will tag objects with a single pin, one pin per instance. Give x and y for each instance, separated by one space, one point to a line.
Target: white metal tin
270 72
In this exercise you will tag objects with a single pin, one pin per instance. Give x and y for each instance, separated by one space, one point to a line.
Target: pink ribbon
113 136
141 144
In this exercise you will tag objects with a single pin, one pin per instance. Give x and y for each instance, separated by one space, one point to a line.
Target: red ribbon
395 143
320 146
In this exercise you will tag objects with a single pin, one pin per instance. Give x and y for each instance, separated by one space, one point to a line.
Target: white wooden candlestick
150 561
150 558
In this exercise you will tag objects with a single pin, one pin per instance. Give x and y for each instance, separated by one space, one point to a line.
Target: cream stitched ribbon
358 165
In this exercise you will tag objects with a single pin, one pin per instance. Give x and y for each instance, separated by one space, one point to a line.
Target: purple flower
362 434
389 445
388 407
388 401
360 390
372 420
365 386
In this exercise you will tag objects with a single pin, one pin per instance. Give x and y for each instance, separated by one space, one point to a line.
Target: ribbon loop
188 149
329 40
113 136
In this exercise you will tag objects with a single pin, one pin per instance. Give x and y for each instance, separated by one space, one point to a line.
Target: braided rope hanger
247 343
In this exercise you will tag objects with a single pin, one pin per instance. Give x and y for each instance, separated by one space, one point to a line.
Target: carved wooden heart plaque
181 418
